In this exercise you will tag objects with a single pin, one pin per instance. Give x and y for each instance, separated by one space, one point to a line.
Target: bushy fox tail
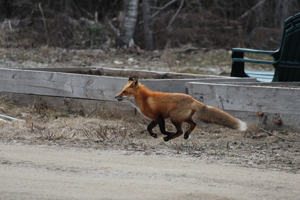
215 115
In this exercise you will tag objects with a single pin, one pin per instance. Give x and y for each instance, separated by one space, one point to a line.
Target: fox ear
134 83
130 79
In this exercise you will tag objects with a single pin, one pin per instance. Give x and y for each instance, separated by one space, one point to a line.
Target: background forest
152 24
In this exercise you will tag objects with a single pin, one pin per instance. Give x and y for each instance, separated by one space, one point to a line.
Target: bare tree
128 23
147 26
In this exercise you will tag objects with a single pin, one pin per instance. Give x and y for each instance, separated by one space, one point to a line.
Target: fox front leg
162 128
150 127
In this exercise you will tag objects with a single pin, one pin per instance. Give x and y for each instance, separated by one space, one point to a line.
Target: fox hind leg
191 129
179 132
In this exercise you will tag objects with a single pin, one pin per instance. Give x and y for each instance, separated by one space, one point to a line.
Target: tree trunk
147 26
68 7
128 22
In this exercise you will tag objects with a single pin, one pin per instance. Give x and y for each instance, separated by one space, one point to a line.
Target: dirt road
53 172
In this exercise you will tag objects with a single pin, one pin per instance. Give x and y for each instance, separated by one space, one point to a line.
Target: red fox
179 107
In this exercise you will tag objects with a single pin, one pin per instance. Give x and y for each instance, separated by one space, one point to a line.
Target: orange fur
179 107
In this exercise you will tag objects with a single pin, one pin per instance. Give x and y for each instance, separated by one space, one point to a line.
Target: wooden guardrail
269 105
77 88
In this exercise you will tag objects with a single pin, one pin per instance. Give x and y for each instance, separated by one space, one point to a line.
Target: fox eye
125 92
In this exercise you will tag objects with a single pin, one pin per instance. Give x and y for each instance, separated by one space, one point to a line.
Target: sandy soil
60 154
51 172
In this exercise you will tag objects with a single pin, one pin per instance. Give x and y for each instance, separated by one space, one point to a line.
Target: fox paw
166 139
154 135
186 136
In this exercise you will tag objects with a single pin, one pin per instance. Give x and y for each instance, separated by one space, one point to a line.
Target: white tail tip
242 126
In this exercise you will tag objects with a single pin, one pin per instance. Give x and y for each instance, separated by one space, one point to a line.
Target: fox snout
119 98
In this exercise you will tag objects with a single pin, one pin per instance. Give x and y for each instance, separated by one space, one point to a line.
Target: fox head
129 90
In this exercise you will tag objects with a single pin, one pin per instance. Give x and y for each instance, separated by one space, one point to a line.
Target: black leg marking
161 123
150 127
179 132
